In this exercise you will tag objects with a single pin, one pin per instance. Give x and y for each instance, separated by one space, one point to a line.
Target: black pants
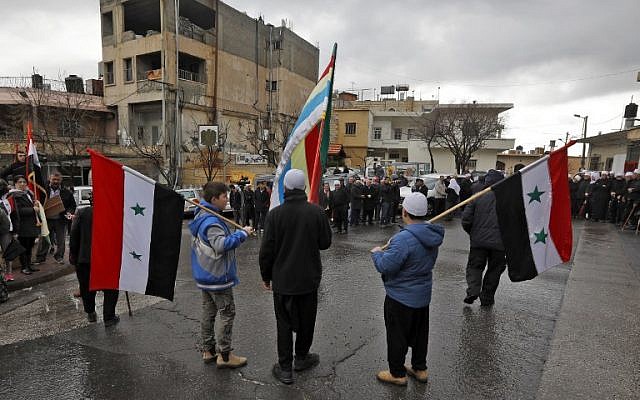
438 205
89 297
340 219
57 234
368 216
259 221
479 258
294 313
406 327
25 258
355 216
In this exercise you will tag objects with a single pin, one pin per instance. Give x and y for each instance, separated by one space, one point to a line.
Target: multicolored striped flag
308 142
137 227
534 215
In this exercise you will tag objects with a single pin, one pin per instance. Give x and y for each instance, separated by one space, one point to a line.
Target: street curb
41 277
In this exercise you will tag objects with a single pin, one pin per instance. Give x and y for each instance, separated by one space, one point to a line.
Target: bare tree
270 145
211 157
464 130
428 131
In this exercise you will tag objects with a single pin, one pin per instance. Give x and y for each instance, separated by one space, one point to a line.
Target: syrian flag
33 169
534 215
137 228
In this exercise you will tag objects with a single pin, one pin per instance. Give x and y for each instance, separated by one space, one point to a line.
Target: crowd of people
606 197
28 224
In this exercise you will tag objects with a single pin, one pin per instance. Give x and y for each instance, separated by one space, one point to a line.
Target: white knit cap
416 204
294 179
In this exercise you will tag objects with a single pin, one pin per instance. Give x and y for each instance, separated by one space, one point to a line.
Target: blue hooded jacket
213 259
407 264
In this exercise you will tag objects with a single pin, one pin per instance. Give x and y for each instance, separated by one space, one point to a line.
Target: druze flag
534 215
137 227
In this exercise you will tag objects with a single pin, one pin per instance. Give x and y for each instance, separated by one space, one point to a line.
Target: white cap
294 179
416 204
629 173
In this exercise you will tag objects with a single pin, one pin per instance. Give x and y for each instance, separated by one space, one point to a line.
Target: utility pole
584 136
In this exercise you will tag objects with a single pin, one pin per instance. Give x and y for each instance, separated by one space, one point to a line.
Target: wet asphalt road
474 353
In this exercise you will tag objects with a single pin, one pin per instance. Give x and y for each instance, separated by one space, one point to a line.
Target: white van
82 194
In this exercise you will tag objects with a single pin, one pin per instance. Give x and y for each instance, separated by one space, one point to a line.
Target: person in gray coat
480 221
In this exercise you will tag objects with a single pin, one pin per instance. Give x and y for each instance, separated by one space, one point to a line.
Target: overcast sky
551 59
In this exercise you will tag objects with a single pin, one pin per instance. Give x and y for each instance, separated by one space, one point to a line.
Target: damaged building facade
223 68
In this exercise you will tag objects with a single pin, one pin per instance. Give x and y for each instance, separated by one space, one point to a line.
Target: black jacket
80 239
26 220
356 196
369 203
235 200
480 221
339 199
17 168
261 199
294 234
387 194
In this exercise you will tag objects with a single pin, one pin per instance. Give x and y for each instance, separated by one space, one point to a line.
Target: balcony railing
151 75
191 76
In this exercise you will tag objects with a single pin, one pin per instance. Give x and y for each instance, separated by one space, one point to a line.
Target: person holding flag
28 227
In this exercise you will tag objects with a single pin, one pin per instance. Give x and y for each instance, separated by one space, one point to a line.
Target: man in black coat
249 205
356 202
17 168
370 197
339 204
290 265
235 201
480 221
57 223
261 202
80 256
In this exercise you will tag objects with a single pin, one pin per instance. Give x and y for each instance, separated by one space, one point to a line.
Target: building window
594 163
350 128
275 44
272 86
155 134
69 127
109 79
411 133
397 134
140 134
377 133
394 156
608 164
128 70
107 24
472 164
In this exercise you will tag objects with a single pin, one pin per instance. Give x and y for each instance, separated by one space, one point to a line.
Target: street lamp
584 136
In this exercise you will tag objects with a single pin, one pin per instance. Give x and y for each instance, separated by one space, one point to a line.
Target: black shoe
486 302
33 269
309 361
111 322
283 376
92 317
470 299
26 271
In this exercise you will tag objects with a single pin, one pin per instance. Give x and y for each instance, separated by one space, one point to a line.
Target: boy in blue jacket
406 267
213 264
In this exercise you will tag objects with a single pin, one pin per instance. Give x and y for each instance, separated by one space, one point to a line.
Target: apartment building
222 68
393 130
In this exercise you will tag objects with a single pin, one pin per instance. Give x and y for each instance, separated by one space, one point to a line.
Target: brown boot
208 357
385 376
420 376
233 361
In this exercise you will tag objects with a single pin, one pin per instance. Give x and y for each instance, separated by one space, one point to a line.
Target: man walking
261 205
295 232
339 203
480 221
406 267
213 264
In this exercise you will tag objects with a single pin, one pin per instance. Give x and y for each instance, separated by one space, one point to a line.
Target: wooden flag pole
452 209
227 220
128 303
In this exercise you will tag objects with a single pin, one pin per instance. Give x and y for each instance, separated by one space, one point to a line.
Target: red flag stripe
106 247
560 219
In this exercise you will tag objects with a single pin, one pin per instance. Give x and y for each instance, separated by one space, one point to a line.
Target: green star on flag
135 256
535 195
137 209
541 237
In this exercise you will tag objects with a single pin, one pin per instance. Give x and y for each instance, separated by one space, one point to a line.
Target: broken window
197 21
149 66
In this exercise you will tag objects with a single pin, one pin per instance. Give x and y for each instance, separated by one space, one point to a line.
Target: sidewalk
596 344
49 271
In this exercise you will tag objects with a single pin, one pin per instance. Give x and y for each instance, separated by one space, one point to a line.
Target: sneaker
8 277
282 375
470 299
232 361
208 357
419 375
111 322
26 271
309 361
385 376
92 317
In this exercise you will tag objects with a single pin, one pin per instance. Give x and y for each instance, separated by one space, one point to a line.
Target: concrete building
614 151
223 68
392 130
64 124
514 160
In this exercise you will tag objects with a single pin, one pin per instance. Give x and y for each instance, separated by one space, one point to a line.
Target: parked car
195 195
82 194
